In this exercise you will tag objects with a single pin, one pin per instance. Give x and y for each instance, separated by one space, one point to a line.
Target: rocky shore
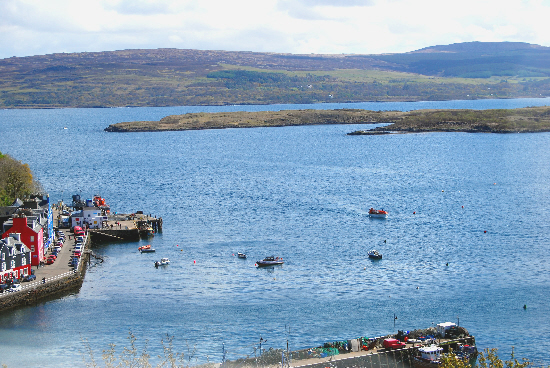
532 119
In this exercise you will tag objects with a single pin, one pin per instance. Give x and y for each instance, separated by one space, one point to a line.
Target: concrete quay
375 357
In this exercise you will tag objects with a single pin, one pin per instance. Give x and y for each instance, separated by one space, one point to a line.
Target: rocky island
531 119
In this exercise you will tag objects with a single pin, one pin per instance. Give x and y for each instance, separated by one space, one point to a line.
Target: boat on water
374 254
146 231
241 255
378 213
162 262
270 261
146 249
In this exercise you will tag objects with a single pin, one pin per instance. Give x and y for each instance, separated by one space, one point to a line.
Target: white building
90 216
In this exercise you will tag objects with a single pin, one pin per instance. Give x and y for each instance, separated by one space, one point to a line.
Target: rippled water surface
467 237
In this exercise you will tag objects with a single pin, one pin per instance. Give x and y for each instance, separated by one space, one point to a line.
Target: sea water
466 240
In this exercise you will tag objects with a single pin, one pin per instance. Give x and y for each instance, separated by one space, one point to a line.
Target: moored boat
162 262
241 255
146 249
373 254
378 213
428 357
270 261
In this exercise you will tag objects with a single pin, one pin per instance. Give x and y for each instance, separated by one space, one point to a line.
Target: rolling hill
172 77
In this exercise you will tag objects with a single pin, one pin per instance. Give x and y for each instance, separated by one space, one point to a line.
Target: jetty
126 227
361 352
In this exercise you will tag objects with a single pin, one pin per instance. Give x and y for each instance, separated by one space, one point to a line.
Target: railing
35 284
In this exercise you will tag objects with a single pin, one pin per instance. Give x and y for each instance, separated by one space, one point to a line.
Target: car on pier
15 287
50 260
28 278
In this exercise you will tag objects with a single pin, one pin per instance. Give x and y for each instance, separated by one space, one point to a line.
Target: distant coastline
523 120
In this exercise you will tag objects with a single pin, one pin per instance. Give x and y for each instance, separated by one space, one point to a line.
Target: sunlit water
301 193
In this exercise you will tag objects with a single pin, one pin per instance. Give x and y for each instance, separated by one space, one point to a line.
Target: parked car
50 260
29 278
77 253
15 287
4 287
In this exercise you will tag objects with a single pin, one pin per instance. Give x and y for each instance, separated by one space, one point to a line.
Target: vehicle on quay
78 231
146 249
50 260
377 213
270 261
4 287
15 287
393 344
77 253
28 278
374 254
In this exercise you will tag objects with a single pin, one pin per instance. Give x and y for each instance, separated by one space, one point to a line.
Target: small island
531 119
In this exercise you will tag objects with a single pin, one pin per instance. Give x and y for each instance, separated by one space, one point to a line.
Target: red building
32 235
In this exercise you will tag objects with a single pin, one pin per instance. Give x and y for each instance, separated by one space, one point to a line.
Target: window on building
32 238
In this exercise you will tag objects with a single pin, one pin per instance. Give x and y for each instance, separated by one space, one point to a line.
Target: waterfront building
31 234
91 217
15 258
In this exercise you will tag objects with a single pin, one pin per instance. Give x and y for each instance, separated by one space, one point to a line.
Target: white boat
162 262
378 213
241 255
429 357
373 254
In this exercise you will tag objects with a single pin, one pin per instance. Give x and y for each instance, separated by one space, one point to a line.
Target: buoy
414 213
484 232
417 288
365 268
462 206
194 262
446 264
524 306
442 191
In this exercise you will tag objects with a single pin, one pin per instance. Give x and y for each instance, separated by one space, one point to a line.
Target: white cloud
297 26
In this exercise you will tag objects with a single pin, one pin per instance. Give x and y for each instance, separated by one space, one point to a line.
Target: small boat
241 255
429 357
378 213
270 261
146 231
162 262
146 249
373 254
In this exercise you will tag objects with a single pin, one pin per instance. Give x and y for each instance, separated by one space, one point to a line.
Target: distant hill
475 60
171 77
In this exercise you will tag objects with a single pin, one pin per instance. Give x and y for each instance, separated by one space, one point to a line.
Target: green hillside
172 77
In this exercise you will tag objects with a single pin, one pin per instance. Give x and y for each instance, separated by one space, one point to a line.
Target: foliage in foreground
486 359
133 357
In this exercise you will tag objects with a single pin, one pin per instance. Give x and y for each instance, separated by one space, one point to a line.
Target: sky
38 27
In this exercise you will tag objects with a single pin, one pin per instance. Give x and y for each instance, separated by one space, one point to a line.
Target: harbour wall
53 287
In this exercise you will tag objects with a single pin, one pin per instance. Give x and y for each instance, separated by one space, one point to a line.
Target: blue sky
37 27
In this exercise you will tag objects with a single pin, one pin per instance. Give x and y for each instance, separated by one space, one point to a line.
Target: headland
523 120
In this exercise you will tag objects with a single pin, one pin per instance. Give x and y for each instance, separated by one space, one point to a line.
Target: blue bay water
301 193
